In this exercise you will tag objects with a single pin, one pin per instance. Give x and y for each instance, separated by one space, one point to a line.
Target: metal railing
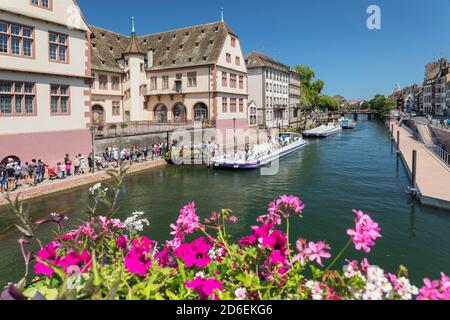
112 130
440 153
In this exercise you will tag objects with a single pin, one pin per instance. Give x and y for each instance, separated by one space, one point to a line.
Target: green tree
380 102
327 102
310 89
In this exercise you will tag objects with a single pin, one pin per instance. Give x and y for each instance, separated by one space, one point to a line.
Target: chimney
150 58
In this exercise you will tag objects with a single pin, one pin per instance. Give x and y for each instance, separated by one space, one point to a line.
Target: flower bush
105 258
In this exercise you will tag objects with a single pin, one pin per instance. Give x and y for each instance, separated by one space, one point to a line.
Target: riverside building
45 72
268 88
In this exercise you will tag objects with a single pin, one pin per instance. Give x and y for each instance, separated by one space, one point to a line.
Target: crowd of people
15 174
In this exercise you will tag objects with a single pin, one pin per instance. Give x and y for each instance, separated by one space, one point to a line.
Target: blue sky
328 35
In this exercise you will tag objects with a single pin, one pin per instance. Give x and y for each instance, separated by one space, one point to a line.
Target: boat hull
261 162
322 134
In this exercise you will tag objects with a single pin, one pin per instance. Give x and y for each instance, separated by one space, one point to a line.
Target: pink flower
278 257
259 233
205 288
50 257
312 251
81 262
165 259
316 251
272 218
187 222
137 262
301 247
122 242
435 289
287 205
194 254
233 219
365 232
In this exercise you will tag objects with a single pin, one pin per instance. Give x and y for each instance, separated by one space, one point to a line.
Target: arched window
200 112
161 113
98 115
179 113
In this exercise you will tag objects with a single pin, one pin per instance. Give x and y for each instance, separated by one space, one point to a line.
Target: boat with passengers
262 154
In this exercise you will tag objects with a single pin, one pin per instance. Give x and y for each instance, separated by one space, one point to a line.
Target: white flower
200 275
135 222
94 188
240 294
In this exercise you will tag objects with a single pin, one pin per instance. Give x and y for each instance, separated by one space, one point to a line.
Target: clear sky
330 36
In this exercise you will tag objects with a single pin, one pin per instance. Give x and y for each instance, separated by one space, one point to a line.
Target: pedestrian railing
440 153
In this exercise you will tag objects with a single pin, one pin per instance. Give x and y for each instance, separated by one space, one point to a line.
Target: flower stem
287 238
339 255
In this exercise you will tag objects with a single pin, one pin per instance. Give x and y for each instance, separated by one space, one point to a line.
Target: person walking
91 163
76 165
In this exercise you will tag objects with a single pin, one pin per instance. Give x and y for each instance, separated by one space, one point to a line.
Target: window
241 105
103 82
233 105
228 58
46 4
233 42
17 98
241 82
59 99
192 79
253 115
224 105
16 39
238 61
116 108
154 83
58 47
233 80
115 83
126 94
224 79
165 82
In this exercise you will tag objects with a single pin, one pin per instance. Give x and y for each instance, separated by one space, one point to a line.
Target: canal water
353 170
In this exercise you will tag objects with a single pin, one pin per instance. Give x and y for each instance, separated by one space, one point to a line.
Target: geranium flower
365 232
316 251
287 206
258 234
187 222
205 288
301 247
435 289
194 254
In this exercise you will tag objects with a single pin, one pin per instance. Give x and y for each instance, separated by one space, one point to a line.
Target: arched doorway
200 112
14 159
98 115
160 113
179 113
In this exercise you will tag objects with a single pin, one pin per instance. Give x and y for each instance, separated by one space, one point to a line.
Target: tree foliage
380 102
310 95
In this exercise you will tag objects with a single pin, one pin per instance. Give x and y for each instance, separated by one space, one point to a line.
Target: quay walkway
432 174
73 182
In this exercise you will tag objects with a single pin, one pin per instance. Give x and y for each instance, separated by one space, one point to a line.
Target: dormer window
174 61
186 34
211 42
45 4
103 34
167 48
145 41
181 47
217 29
160 63
205 57
111 48
174 36
94 45
203 31
118 39
189 59
197 44
159 38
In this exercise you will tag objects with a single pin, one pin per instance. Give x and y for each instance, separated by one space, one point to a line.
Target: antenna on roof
221 15
133 30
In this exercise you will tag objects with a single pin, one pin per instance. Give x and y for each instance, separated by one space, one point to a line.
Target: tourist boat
262 154
347 123
323 131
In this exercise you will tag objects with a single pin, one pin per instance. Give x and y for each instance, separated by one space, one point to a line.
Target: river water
353 170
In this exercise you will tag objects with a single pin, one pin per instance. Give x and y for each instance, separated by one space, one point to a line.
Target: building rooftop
257 60
185 47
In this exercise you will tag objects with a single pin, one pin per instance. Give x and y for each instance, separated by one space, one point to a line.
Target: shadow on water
356 169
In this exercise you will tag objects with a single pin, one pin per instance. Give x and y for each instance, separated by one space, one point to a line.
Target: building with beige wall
294 98
269 83
437 78
188 75
44 80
